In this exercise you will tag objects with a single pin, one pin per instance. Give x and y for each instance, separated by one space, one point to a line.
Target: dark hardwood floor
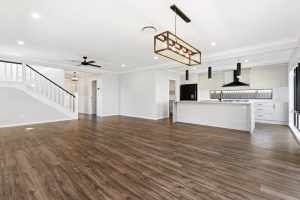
128 158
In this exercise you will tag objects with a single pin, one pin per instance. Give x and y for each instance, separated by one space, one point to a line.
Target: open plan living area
150 100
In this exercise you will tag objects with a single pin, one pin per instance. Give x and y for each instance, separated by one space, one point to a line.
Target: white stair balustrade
39 86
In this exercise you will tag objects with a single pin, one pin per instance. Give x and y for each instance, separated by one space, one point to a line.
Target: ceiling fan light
74 78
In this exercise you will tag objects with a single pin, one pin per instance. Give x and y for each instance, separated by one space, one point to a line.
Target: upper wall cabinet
265 78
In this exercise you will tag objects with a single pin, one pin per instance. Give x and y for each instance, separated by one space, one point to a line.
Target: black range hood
236 82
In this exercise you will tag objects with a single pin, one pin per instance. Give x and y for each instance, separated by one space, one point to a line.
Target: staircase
52 96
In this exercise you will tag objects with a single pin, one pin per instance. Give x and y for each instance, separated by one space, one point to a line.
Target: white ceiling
109 31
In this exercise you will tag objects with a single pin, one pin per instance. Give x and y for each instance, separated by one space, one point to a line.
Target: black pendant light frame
209 73
170 46
239 69
187 75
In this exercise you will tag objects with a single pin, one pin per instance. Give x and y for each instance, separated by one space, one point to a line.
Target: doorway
172 96
94 98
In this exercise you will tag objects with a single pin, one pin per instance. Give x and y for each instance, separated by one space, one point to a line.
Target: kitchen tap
221 96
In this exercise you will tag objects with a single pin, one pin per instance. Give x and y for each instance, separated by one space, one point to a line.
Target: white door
94 97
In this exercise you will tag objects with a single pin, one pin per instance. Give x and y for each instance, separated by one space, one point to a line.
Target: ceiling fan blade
95 65
77 61
90 62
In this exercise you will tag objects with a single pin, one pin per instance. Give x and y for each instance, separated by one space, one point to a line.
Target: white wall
108 95
145 94
137 94
27 111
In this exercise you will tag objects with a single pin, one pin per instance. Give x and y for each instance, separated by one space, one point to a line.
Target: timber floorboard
122 158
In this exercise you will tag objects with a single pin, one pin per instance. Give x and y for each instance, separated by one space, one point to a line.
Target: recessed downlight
21 43
213 44
246 60
123 65
149 29
155 57
35 15
194 67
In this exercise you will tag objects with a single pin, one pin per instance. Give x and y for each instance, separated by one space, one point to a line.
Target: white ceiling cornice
274 46
264 48
44 63
254 50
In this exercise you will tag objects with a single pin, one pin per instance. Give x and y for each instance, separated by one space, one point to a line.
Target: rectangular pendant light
170 46
186 75
209 73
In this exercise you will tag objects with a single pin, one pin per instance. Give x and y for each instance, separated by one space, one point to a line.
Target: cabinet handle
274 106
260 109
260 104
259 115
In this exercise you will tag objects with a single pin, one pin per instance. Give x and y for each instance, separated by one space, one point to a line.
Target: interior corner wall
137 94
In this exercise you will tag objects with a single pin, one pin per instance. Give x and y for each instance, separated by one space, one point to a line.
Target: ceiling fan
85 63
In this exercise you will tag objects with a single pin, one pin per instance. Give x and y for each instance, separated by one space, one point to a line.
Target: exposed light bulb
165 45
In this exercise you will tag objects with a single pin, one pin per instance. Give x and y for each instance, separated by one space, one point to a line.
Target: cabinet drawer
264 110
263 116
263 104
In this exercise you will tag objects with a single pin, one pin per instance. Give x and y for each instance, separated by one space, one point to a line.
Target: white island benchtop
232 115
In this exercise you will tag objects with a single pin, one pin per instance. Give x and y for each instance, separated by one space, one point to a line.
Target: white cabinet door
267 78
255 79
280 77
281 112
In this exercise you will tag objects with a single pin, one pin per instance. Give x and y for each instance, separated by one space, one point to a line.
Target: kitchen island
231 115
